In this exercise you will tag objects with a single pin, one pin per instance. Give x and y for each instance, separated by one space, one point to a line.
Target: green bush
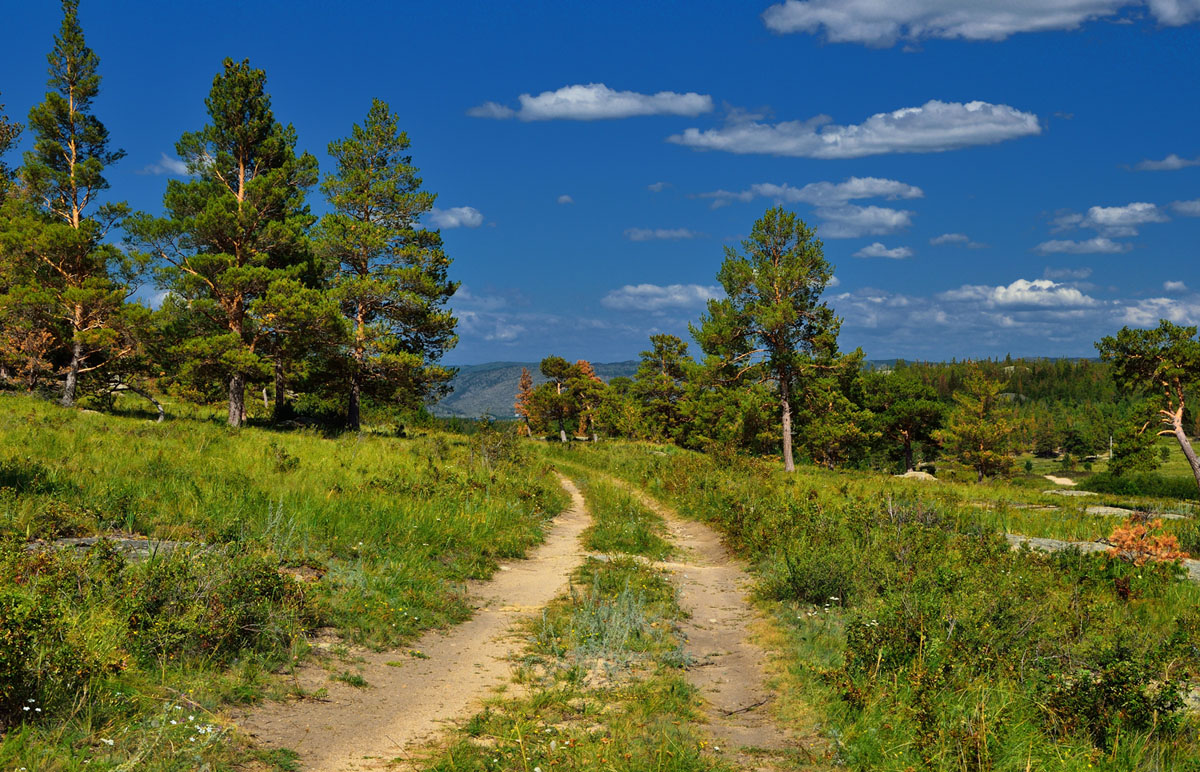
1115 693
214 605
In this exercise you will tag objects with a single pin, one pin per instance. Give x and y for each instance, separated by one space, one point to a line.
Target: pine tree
978 434
659 383
586 392
84 277
234 232
906 411
1164 361
390 274
524 403
772 325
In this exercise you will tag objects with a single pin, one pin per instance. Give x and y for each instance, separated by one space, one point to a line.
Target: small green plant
352 679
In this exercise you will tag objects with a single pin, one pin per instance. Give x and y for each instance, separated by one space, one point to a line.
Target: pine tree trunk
281 410
908 455
237 399
353 411
72 382
1186 446
789 465
562 432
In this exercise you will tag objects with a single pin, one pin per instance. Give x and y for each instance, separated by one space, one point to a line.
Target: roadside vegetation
264 536
923 641
601 684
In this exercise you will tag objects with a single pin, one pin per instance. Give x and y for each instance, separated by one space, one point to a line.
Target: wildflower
106 741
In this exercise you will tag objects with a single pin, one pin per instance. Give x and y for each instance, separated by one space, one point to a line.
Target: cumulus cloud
881 23
1187 208
666 234
166 165
1042 293
1111 222
1148 312
655 297
956 238
1174 286
595 101
1097 245
1168 164
879 250
931 128
819 193
565 199
456 217
851 221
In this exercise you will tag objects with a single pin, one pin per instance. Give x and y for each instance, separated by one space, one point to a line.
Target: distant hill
491 388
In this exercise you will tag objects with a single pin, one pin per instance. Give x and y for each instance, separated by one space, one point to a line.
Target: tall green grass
380 532
924 641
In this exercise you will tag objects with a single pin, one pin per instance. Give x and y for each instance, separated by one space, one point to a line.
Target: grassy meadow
917 639
116 663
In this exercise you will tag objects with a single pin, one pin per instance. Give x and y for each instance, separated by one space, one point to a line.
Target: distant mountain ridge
491 388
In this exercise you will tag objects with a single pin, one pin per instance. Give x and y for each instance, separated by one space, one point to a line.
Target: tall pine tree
389 274
84 279
772 326
234 231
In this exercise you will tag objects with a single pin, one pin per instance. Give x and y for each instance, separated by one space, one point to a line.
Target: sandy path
364 729
728 668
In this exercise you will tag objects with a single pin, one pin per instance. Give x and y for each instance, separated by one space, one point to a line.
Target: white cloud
931 128
595 101
1187 208
1122 220
1042 293
565 199
882 23
1148 312
654 297
1112 220
833 282
166 165
1066 273
456 217
669 234
1171 163
1097 245
819 193
956 238
879 250
851 221
1174 286
658 187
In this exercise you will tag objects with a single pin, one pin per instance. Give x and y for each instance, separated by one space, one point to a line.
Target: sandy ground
404 706
1059 480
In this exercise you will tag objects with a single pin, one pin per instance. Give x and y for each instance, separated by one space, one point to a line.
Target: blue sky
988 178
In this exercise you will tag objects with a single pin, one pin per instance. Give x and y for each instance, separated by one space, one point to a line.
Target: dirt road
405 705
